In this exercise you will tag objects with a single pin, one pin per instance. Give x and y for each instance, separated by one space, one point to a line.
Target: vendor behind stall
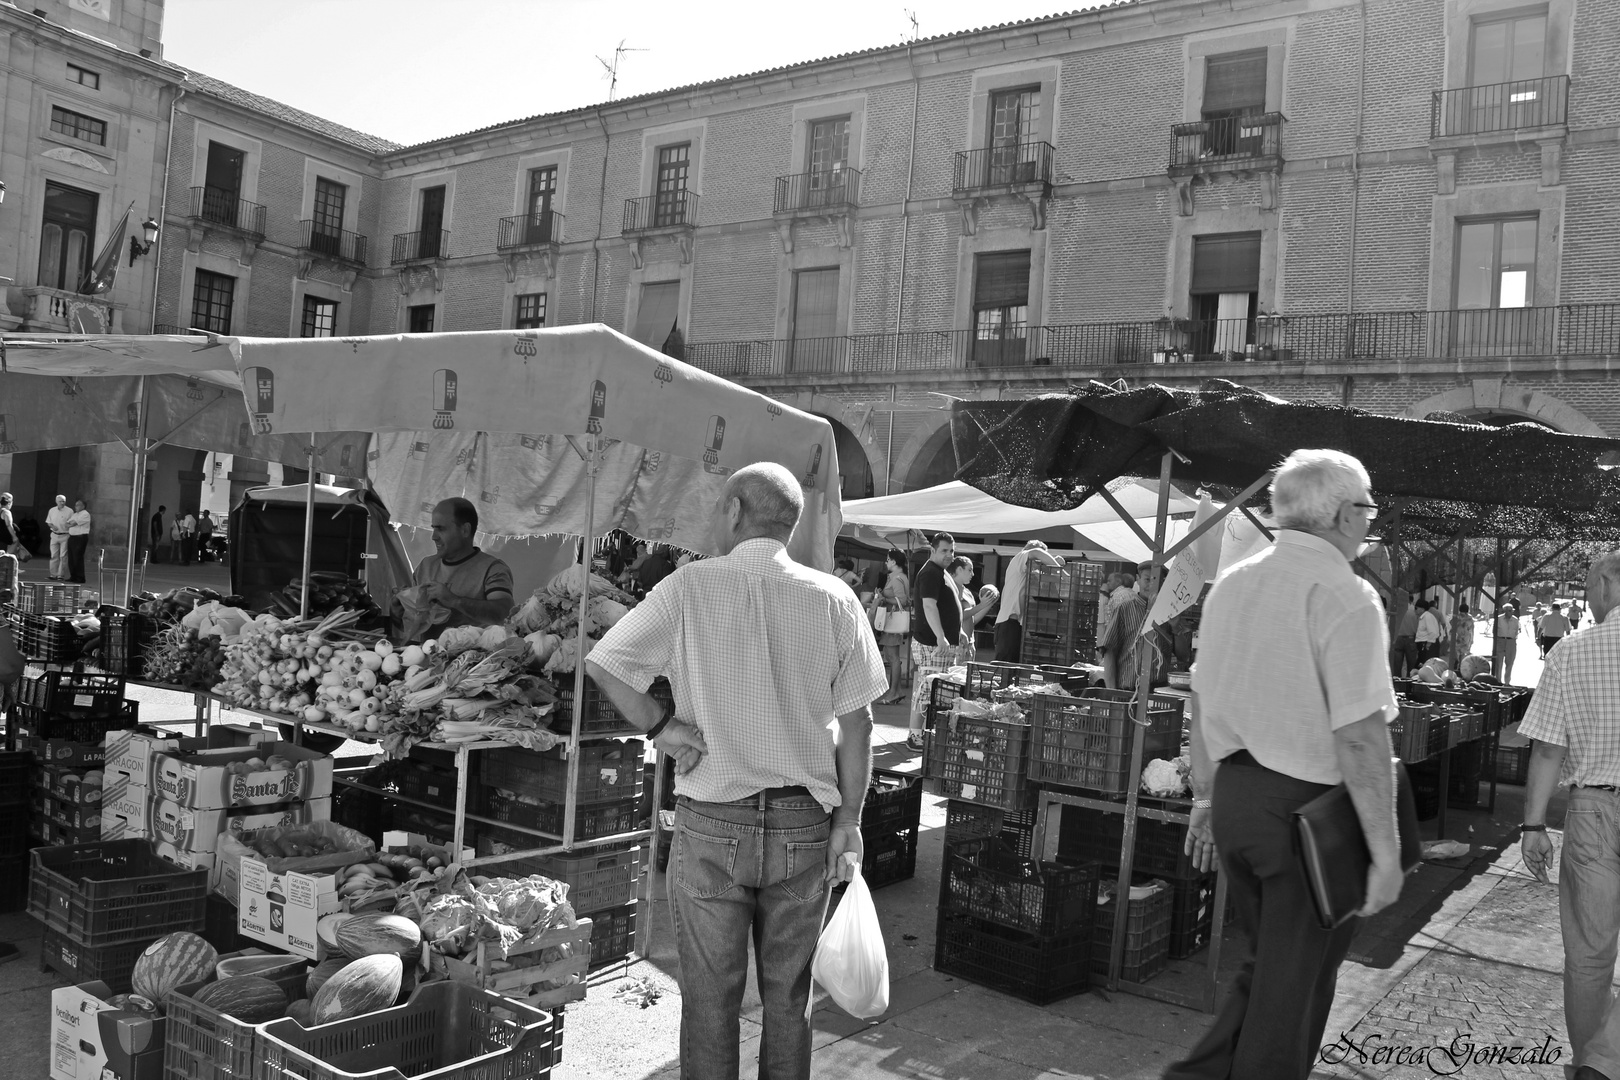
472 585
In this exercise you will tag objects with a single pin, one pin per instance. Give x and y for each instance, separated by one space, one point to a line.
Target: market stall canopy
64 392
1053 452
492 415
351 533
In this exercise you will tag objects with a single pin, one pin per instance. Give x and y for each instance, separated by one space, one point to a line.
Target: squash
248 998
369 935
303 1011
175 960
367 985
323 971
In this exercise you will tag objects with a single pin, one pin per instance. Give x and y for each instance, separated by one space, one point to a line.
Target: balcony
1006 171
1227 144
1445 337
335 245
530 230
666 213
213 206
36 309
170 328
1510 106
822 192
424 246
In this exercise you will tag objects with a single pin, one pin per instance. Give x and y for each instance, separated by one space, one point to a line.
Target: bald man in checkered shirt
774 669
1574 722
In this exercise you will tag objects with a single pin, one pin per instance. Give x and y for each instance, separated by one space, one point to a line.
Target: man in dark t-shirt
936 628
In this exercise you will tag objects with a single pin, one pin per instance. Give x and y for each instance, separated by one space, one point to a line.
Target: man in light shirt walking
774 669
1291 696
56 520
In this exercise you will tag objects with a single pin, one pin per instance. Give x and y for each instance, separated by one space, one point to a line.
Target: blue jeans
1589 911
750 867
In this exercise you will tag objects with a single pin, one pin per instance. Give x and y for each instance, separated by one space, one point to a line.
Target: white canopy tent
955 507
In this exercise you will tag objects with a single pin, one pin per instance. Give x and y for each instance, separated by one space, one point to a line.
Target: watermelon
371 935
364 986
175 960
321 972
247 998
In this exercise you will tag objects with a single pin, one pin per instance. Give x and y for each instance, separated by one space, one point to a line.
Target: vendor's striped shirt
763 654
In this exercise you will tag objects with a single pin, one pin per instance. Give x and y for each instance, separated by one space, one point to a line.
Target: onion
370 660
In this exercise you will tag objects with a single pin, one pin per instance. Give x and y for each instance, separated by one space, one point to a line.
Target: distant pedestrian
205 536
844 570
188 539
78 541
56 520
1507 642
1291 696
1550 630
1462 634
1403 651
1571 725
1122 629
156 532
1431 632
1010 618
936 629
10 542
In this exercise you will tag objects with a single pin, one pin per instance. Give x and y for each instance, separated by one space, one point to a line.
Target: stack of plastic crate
1147 931
890 820
1060 612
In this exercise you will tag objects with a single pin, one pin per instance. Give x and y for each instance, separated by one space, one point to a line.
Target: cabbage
458 639
492 638
531 616
543 644
449 920
607 612
530 904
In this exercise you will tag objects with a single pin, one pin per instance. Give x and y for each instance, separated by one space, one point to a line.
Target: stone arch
928 457
854 466
861 426
1493 397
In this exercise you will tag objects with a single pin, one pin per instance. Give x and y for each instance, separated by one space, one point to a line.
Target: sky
415 70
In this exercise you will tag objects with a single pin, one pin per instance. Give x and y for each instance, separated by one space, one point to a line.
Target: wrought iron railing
1571 330
660 211
1003 165
1478 110
169 328
527 230
224 208
814 190
416 246
332 243
1226 140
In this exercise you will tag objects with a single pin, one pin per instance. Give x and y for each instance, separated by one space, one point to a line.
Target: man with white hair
57 519
1291 696
1572 725
762 654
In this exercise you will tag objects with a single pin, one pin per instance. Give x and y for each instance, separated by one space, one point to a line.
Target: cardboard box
67 784
129 754
200 780
190 829
62 752
124 814
283 909
185 860
401 843
91 1040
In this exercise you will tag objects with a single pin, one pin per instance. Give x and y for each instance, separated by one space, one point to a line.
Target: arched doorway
853 466
935 463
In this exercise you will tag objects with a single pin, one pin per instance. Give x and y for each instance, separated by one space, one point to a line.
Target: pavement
1469 960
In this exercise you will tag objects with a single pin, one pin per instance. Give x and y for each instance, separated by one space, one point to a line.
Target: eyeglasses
1371 508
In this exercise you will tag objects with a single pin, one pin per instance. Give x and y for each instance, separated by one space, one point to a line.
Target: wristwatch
663 721
1532 828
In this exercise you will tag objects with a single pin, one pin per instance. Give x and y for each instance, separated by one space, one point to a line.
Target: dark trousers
1271 1023
1009 641
76 549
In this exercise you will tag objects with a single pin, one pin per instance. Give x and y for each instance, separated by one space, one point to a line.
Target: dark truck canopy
352 535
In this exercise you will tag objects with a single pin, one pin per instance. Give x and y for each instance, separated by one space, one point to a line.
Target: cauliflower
1166 779
566 658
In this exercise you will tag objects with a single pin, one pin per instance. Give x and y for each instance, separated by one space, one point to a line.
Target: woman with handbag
891 618
9 540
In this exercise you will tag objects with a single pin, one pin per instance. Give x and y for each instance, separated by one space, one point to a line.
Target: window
78 126
1000 308
816 346
212 296
421 319
429 240
326 230
1508 50
83 76
222 186
538 228
1225 288
1234 87
659 312
828 158
1506 64
1496 287
531 311
669 202
320 318
1013 116
64 242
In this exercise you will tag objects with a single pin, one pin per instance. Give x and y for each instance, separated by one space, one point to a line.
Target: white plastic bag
851 962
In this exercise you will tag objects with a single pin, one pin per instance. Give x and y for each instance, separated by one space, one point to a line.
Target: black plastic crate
1192 914
613 934
429 783
113 892
983 881
1085 742
1510 765
124 636
601 720
366 812
91 729
608 769
76 694
1035 649
591 820
79 963
893 802
889 858
942 695
1013 830
981 760
1038 969
1089 835
1147 936
16 767
1467 770
14 884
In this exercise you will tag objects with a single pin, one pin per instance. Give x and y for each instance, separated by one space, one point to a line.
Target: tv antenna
912 16
613 68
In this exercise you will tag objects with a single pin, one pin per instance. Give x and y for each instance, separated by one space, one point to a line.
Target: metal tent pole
309 531
592 453
137 482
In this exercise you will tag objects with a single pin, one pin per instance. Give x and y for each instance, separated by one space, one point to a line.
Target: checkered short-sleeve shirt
763 654
1577 704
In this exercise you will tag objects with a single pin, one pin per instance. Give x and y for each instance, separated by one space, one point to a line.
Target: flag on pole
105 271
1188 572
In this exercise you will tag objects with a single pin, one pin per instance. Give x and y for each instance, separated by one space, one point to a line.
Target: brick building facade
1404 205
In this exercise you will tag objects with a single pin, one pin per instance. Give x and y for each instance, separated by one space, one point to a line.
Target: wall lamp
136 248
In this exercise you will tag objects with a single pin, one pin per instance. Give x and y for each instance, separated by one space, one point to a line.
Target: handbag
880 618
1334 850
899 623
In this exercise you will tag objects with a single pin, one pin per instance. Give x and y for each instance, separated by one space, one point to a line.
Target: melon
321 972
370 935
248 998
364 986
303 1011
175 960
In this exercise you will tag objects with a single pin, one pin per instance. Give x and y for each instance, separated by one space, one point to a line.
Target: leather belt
763 796
1242 757
1614 788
